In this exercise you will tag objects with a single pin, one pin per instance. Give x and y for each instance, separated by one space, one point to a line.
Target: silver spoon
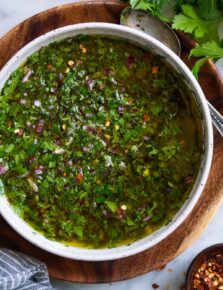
143 21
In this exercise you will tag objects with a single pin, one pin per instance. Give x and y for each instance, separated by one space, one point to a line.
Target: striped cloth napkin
20 272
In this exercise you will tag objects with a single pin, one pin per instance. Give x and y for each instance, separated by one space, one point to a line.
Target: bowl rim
143 244
204 252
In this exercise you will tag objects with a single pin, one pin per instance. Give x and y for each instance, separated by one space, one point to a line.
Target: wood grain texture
157 256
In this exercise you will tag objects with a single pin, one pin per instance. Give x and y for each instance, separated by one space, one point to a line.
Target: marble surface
173 275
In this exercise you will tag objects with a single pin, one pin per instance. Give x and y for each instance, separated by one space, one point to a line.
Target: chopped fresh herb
94 150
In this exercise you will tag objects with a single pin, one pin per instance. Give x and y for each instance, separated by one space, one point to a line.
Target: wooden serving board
159 255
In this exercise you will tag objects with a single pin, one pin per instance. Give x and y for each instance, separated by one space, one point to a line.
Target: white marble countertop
173 275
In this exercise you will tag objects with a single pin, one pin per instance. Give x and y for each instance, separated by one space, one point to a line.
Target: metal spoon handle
217 118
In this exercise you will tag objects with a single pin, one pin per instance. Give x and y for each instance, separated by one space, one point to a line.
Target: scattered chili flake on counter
155 286
209 275
100 142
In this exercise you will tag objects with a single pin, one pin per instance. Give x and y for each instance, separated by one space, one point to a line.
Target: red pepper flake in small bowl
206 270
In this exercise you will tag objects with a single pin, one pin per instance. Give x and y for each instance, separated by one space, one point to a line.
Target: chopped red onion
39 170
130 60
30 160
106 71
28 124
60 76
26 174
120 109
39 126
53 90
27 75
70 162
37 103
106 213
88 115
91 84
22 101
3 169
146 138
146 219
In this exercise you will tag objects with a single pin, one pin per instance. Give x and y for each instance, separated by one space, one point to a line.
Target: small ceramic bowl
157 48
203 257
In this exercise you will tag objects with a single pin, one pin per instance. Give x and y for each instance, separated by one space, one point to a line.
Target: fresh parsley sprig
153 6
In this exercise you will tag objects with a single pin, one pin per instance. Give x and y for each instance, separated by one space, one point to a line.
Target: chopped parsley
100 142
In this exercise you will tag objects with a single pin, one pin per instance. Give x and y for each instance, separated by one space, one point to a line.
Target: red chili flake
79 178
155 69
155 286
83 49
101 87
79 61
134 110
146 118
49 66
210 273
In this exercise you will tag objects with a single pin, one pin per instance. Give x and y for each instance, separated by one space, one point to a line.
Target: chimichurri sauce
100 141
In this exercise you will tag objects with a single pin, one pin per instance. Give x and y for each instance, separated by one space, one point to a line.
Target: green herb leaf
111 205
2 191
208 9
34 57
78 231
13 82
10 148
129 222
210 49
153 6
196 68
189 21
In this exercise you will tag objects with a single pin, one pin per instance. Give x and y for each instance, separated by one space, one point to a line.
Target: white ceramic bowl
156 48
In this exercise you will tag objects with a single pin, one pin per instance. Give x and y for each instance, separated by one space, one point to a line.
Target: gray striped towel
21 272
